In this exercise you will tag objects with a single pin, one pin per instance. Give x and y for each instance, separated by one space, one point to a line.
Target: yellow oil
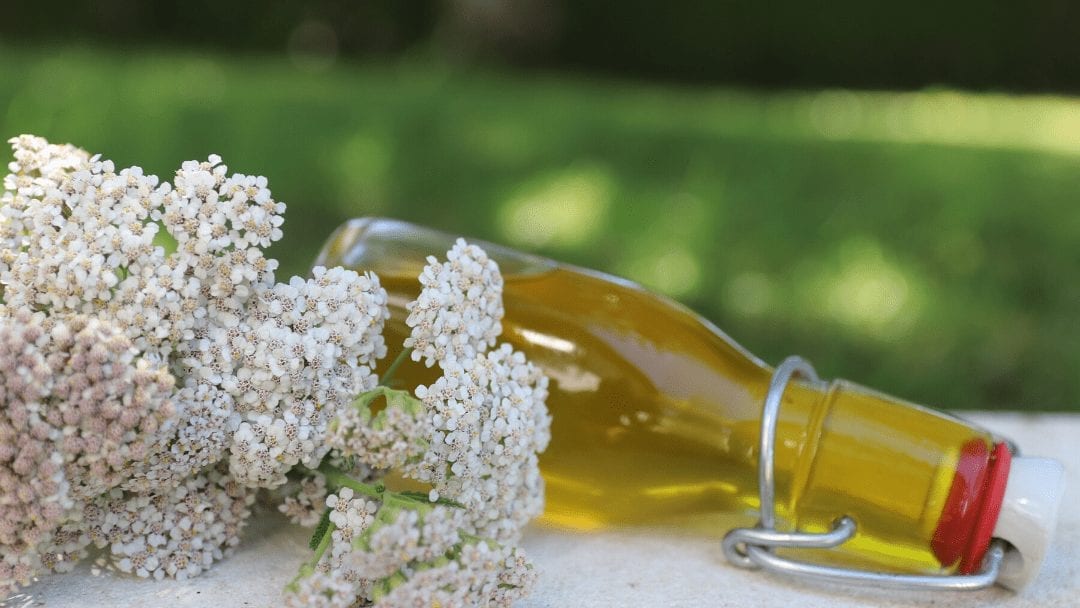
656 417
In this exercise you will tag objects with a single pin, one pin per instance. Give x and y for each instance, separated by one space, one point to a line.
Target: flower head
205 422
80 410
309 347
396 434
304 501
39 168
176 532
322 589
459 311
489 422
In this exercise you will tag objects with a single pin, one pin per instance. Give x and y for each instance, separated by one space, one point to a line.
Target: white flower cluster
113 284
394 436
178 532
204 429
38 168
460 309
487 411
153 376
476 432
401 554
473 435
304 500
490 422
306 352
263 366
78 240
351 516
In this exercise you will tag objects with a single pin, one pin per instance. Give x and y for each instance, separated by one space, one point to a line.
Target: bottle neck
919 480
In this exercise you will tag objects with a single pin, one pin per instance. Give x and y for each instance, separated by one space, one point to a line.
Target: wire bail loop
755 547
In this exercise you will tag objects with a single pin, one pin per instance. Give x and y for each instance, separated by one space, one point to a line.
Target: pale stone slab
627 568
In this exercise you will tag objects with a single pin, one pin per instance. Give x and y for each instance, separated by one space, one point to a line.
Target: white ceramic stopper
1028 517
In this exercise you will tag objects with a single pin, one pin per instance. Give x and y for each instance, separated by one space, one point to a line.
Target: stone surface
626 568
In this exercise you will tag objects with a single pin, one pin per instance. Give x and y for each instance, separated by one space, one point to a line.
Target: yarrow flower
79 411
109 407
473 436
145 345
407 553
390 438
199 440
489 422
177 532
155 376
459 311
304 501
310 347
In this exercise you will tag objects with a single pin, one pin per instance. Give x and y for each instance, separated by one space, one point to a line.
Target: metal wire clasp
755 547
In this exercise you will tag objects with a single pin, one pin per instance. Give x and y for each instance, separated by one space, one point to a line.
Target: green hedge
992 45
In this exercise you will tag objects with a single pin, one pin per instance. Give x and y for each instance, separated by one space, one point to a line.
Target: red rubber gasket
994 493
962 506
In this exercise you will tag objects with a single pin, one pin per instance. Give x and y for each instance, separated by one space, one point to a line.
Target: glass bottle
657 417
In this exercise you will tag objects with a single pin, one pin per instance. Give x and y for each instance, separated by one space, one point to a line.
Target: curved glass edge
402 247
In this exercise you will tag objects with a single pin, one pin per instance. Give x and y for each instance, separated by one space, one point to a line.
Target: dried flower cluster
154 376
80 412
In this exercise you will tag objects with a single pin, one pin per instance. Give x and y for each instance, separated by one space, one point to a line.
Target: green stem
337 478
402 356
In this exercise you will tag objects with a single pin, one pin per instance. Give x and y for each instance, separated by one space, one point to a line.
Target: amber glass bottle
657 413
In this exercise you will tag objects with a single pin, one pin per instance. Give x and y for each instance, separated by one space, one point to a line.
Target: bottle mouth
1028 517
996 495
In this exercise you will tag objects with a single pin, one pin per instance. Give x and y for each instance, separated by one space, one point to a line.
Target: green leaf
321 529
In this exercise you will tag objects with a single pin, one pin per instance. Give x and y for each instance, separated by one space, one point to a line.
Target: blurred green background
901 216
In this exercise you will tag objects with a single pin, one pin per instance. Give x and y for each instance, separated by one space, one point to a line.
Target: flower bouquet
158 385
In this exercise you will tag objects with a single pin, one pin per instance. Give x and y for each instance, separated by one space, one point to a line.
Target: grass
921 243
